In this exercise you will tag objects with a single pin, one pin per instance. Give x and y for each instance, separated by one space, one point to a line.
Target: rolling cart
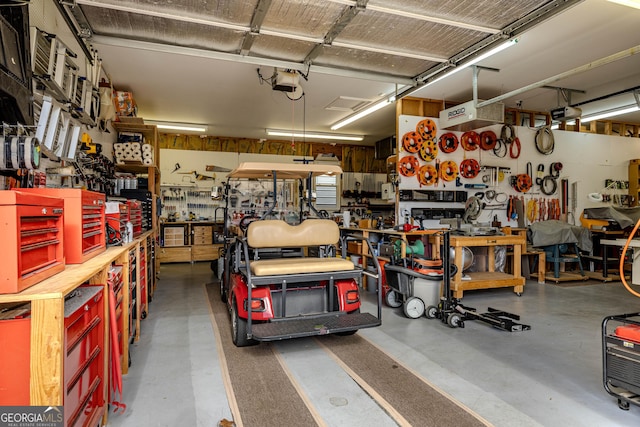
621 358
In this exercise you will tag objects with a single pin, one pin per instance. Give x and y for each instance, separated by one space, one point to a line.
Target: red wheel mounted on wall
488 140
448 142
470 141
469 168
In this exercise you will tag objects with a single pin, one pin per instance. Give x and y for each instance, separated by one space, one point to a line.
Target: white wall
190 160
587 159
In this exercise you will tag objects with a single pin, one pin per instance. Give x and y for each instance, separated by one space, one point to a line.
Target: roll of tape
15 147
27 151
3 144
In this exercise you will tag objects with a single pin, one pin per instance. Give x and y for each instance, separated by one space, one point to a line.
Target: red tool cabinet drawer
15 345
84 358
84 222
83 365
31 227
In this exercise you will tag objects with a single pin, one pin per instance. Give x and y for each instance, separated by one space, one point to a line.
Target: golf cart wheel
623 404
348 333
413 307
454 320
223 292
431 312
393 300
239 328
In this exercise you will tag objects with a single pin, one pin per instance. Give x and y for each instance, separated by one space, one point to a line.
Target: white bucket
428 291
356 260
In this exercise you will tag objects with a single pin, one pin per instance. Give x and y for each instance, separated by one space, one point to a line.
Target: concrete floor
549 376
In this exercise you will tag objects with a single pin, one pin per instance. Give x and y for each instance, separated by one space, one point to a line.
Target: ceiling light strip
314 135
187 127
375 107
626 109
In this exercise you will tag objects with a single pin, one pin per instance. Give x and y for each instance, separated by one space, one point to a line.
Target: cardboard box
354 247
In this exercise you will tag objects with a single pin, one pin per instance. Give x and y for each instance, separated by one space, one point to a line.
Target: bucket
356 260
429 291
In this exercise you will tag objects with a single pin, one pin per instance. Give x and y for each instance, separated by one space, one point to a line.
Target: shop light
630 3
477 59
182 127
314 135
610 113
375 107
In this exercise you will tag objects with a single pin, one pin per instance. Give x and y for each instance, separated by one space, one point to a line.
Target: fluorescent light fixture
186 128
375 107
610 113
630 3
477 59
314 135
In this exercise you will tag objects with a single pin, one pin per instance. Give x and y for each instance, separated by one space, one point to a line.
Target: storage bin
354 247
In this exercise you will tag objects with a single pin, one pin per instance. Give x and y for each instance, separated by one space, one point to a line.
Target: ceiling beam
248 30
586 67
202 53
422 17
341 23
256 24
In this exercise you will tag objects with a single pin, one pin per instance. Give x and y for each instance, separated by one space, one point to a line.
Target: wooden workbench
490 278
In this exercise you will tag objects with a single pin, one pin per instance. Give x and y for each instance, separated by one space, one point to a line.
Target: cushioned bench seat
272 267
267 234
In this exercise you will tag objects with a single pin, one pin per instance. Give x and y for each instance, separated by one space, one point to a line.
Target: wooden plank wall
354 158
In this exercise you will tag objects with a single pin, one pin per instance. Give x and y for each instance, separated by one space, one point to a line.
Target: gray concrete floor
549 376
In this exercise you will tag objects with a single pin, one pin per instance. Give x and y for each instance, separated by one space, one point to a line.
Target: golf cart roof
263 170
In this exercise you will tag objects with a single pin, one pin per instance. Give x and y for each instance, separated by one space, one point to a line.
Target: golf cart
281 277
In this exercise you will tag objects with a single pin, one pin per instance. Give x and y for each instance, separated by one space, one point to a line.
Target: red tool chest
84 380
116 280
31 227
84 362
117 219
84 222
135 216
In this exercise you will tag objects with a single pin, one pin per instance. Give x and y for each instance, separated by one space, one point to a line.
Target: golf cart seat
268 234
